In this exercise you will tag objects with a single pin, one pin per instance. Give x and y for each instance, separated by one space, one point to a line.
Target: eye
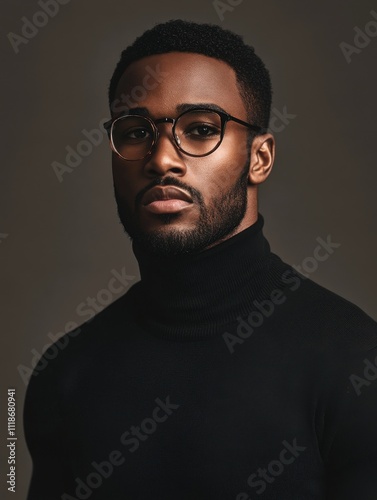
202 130
136 134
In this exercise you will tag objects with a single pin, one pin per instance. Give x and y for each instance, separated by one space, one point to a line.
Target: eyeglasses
196 132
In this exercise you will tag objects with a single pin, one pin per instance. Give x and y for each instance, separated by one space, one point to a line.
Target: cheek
224 168
125 182
237 147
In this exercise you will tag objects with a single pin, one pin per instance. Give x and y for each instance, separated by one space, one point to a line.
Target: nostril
176 170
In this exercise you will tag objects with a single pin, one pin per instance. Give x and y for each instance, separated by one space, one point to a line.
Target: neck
196 295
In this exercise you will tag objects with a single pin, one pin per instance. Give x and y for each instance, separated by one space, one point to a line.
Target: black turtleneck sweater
222 375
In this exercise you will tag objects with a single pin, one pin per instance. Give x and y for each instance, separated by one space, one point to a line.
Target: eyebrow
180 108
199 105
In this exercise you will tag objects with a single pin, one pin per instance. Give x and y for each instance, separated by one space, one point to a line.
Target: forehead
163 81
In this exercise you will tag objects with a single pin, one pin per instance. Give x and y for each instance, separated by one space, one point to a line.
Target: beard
217 220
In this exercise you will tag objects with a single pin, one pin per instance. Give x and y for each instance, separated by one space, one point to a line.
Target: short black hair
211 40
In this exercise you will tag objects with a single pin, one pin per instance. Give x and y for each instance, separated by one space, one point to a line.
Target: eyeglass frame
224 117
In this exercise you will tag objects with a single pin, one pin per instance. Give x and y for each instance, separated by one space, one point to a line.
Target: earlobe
262 158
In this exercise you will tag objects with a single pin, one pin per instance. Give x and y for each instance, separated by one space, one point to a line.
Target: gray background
64 239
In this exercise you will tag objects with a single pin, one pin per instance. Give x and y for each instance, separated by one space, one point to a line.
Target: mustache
169 181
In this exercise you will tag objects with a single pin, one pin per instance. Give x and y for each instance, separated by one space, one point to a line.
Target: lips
165 193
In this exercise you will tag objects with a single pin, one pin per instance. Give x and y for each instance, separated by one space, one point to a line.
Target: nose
165 156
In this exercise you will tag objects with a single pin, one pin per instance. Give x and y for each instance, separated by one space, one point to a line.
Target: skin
223 185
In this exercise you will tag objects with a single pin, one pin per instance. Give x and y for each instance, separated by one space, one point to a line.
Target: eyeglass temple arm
107 125
249 125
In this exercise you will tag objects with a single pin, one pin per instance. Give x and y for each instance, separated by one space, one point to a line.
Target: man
223 373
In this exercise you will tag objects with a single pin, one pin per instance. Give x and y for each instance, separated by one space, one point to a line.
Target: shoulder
321 315
59 366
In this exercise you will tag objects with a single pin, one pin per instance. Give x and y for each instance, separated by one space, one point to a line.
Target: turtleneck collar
196 295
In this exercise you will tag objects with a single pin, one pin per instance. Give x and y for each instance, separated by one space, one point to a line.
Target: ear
262 158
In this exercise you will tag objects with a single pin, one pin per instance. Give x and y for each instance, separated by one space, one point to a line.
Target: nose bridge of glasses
164 120
167 120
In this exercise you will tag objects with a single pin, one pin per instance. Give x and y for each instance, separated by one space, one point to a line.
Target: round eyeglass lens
133 137
198 132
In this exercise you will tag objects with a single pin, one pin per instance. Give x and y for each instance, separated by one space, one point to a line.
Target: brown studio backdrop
64 241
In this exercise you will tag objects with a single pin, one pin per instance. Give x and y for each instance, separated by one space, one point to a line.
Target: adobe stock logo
3 236
30 28
265 308
228 6
132 437
104 470
264 476
94 137
90 307
280 120
370 375
361 39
